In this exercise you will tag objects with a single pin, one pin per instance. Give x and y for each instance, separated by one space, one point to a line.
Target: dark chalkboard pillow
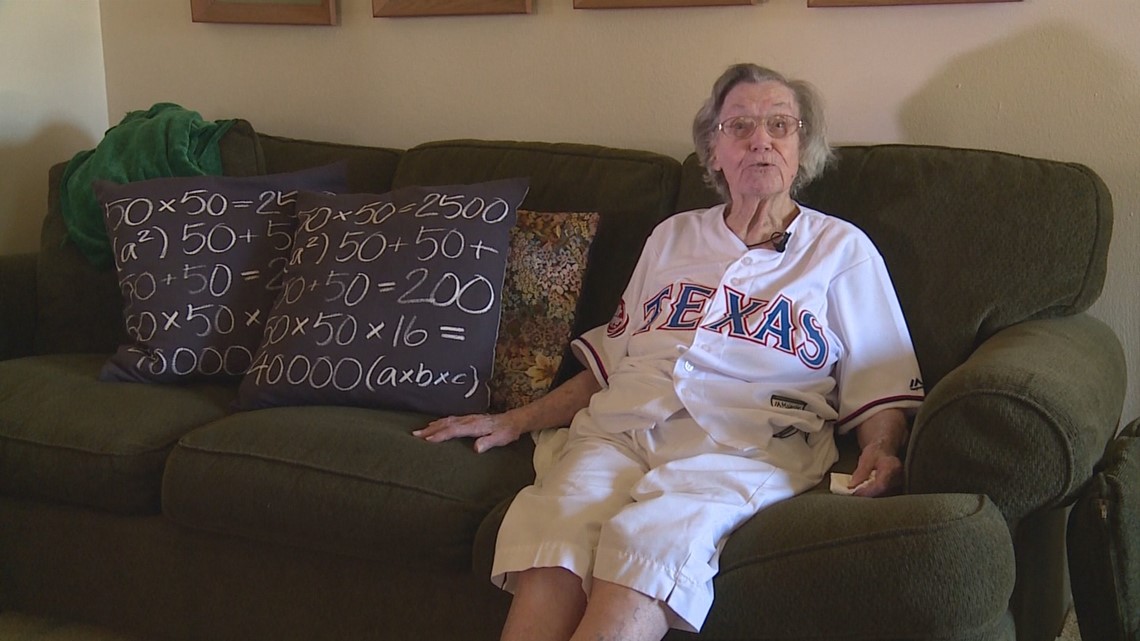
200 262
390 301
540 296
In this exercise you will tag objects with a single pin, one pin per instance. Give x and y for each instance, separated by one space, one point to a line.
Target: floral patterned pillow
540 294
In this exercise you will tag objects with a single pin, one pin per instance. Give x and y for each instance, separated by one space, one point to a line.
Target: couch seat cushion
938 565
341 479
67 436
826 567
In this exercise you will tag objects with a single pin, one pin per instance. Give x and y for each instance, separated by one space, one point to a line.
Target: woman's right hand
555 409
488 430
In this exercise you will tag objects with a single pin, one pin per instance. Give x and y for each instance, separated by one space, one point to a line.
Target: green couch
157 511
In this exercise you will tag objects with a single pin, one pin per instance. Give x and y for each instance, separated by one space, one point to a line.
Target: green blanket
166 140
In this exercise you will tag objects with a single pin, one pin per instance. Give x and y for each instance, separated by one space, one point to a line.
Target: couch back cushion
370 169
975 241
78 306
630 190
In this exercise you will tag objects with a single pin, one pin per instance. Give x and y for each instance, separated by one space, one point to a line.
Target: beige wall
53 103
1052 78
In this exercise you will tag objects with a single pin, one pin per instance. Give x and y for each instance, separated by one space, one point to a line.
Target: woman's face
758 166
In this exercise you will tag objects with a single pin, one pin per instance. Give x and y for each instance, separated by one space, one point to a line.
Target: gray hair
815 152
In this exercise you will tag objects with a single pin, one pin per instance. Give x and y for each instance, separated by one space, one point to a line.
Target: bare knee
548 605
551 581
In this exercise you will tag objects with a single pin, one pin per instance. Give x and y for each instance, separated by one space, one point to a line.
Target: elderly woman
748 334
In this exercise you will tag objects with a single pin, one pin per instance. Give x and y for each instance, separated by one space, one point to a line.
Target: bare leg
547 606
617 613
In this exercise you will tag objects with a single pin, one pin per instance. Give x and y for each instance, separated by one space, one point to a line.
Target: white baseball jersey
727 353
755 344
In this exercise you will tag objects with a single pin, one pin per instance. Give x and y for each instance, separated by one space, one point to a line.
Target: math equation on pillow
389 301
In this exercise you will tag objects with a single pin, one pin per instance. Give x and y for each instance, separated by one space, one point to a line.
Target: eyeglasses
777 126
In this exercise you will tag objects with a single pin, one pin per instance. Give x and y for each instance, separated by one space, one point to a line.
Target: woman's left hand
881 438
882 471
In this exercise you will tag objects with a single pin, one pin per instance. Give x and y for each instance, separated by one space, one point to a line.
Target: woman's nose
760 139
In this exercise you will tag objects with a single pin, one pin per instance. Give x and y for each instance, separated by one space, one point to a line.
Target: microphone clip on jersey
781 243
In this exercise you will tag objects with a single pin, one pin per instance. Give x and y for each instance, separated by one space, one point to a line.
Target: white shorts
651 509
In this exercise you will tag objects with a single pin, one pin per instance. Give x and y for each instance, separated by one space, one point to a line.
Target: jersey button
747 260
688 366
735 281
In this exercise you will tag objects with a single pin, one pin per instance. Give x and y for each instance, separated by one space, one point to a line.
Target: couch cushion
548 256
341 479
370 169
974 240
902 567
17 305
78 307
631 190
66 436
886 568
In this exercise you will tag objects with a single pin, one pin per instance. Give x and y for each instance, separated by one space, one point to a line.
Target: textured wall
53 103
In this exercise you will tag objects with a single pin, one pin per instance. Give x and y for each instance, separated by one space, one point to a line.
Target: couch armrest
1025 418
17 305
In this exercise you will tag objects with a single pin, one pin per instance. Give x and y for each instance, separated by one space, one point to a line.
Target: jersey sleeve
877 369
600 349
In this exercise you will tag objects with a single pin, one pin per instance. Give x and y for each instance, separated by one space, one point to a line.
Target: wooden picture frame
882 3
318 12
416 8
652 4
